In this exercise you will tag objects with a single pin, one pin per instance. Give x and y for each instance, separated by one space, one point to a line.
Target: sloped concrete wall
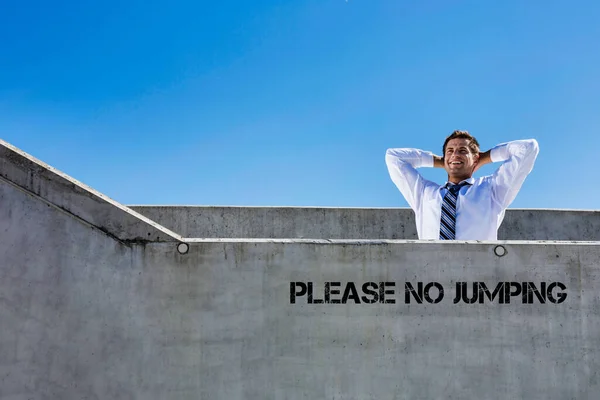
357 223
86 316
25 172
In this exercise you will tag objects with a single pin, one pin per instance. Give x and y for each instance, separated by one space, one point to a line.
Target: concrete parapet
357 223
55 188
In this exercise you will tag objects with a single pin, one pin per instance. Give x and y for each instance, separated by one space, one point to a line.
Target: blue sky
293 103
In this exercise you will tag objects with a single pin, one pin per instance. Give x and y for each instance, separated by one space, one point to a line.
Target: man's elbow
534 148
391 152
391 156
530 147
534 145
401 153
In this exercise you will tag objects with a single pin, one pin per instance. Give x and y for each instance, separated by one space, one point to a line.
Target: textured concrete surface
92 309
59 190
284 222
86 316
356 223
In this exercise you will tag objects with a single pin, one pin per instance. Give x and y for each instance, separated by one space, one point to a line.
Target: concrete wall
84 315
356 223
25 172
94 307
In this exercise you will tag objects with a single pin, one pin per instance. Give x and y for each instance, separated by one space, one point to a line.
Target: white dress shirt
480 207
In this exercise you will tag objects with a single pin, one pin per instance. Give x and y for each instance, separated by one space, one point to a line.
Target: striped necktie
448 219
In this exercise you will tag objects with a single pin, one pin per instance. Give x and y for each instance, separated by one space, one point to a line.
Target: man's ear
475 162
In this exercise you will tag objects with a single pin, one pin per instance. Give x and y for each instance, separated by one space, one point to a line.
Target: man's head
460 155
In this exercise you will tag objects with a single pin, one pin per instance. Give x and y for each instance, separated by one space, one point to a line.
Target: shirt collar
470 181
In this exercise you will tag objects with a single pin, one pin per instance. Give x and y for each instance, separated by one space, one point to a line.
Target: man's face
458 159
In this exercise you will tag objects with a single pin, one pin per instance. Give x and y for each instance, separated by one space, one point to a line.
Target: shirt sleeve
402 165
518 158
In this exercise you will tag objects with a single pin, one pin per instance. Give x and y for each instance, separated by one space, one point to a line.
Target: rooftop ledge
267 224
389 241
50 185
346 208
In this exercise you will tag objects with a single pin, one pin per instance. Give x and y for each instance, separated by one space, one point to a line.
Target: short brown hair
473 143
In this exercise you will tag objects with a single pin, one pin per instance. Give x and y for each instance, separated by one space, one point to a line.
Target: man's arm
518 158
438 162
402 165
484 158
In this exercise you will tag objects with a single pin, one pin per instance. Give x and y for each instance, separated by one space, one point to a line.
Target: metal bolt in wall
183 248
500 251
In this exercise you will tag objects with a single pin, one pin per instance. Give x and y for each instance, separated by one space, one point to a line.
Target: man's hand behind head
482 159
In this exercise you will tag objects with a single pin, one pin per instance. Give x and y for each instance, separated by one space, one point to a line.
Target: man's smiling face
459 162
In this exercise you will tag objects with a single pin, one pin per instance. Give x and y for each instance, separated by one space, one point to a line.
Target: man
464 208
